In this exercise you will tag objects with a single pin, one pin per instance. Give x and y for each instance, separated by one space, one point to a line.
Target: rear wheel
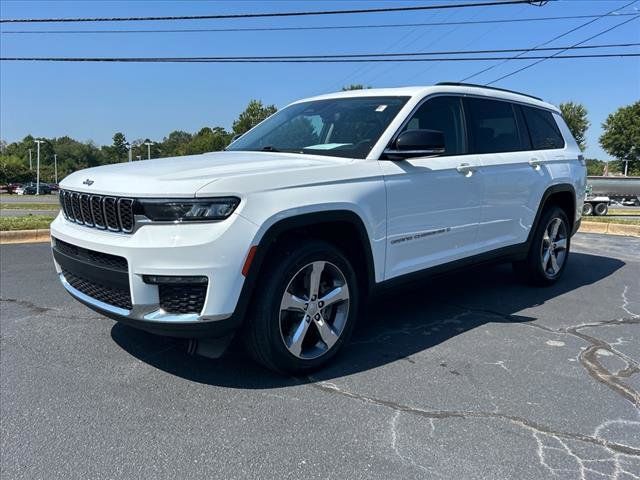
549 249
305 308
587 209
601 209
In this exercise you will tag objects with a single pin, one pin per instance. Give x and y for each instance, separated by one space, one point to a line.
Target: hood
184 176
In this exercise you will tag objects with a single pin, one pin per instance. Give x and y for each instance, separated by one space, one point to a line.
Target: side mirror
416 143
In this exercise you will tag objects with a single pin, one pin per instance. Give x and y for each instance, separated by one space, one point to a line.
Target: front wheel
549 249
305 308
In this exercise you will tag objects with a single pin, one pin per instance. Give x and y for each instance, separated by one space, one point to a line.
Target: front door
434 204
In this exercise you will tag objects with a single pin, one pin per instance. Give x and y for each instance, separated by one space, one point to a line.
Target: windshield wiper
269 148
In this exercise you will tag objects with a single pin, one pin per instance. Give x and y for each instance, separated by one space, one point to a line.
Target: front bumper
214 250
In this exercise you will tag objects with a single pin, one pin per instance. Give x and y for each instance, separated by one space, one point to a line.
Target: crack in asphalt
618 453
589 357
332 388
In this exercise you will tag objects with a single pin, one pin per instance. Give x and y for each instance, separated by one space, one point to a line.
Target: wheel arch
354 240
562 195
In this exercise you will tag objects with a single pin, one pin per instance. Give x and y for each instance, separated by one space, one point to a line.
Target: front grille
98 211
107 260
113 296
182 298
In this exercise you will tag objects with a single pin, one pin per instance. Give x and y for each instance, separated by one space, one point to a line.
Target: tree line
620 138
74 155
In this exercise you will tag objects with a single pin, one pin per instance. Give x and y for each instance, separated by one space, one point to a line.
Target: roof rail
459 84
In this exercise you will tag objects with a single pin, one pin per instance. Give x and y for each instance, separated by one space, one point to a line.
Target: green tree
575 114
252 115
355 86
621 137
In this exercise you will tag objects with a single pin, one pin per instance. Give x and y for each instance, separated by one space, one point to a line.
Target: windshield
341 127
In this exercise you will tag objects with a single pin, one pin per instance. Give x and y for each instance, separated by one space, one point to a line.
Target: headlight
187 210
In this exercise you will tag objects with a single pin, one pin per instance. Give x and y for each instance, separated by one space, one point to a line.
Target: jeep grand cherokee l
282 236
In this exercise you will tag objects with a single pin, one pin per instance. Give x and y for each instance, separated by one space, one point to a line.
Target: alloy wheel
314 310
553 252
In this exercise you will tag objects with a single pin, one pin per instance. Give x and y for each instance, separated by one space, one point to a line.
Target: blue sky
92 101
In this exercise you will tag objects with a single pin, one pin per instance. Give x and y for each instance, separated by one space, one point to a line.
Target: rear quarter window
543 129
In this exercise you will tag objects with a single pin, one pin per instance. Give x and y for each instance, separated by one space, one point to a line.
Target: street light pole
148 144
55 166
38 168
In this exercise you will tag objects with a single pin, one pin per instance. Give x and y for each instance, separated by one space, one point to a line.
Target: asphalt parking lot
469 376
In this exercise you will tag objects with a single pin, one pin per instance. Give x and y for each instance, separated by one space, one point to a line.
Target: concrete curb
610 228
43 235
25 236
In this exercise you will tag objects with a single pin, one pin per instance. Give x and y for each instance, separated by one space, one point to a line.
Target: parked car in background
31 189
283 236
11 187
54 187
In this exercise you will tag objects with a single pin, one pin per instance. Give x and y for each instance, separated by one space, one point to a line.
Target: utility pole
129 148
55 166
148 144
30 162
38 168
626 167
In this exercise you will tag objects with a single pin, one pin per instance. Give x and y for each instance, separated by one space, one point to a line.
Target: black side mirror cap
417 143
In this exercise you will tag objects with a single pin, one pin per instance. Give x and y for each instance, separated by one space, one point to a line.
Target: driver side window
445 115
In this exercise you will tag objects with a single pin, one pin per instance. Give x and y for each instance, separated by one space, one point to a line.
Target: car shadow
396 325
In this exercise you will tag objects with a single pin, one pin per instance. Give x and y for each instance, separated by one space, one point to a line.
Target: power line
301 60
557 37
265 15
404 54
574 46
316 28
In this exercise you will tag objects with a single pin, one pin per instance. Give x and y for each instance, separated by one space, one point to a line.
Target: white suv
283 235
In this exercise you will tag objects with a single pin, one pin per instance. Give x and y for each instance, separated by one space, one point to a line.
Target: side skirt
511 253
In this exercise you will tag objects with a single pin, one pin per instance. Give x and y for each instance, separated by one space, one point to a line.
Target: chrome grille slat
98 211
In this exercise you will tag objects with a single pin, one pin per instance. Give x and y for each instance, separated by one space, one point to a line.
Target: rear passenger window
492 126
543 129
445 115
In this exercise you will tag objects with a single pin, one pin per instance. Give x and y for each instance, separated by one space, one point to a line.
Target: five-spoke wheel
305 307
314 309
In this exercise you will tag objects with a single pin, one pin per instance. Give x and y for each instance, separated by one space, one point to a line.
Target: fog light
174 280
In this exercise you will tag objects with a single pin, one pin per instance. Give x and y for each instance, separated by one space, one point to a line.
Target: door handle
465 168
535 163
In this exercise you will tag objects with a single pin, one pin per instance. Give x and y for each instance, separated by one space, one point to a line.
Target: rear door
433 203
514 176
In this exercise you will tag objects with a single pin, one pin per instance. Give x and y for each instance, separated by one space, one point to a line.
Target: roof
422 91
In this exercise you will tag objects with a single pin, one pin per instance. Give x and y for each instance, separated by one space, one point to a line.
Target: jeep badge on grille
88 182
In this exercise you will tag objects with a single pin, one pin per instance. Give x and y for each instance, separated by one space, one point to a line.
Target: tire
289 328
601 209
549 249
587 209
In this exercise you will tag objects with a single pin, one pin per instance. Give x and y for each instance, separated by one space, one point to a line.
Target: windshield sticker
381 108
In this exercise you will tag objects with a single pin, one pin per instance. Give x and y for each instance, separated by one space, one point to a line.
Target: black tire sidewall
266 315
538 275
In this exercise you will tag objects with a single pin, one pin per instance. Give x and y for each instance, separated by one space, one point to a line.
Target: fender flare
295 222
553 189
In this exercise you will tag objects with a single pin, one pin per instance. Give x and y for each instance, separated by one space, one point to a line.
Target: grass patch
624 221
622 211
30 206
29 222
